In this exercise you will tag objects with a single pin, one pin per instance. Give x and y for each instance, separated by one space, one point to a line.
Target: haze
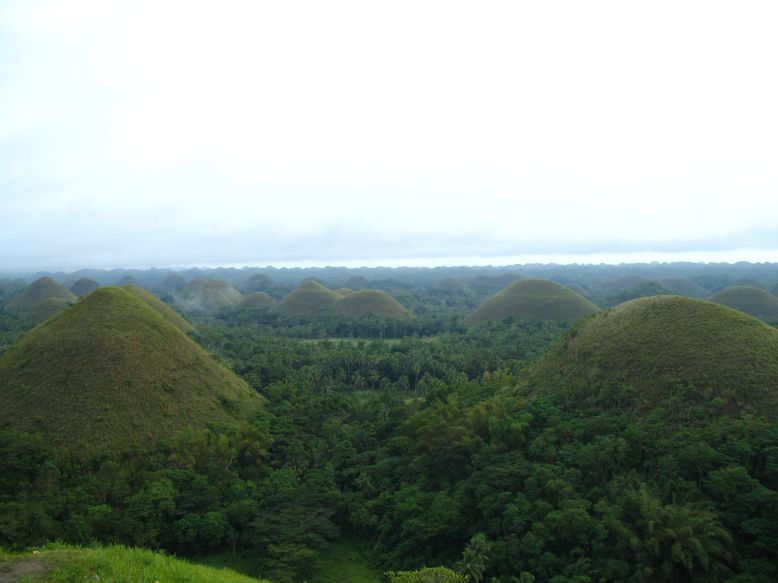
178 133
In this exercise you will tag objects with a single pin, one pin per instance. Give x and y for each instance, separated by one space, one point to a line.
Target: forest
635 442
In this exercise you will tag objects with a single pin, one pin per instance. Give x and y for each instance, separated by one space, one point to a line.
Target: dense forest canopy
638 444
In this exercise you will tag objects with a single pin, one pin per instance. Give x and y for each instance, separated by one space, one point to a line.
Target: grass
536 300
647 350
38 292
370 302
110 373
258 300
347 562
684 287
114 564
161 307
749 300
308 298
84 286
209 295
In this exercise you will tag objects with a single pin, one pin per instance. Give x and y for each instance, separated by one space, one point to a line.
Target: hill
161 307
533 299
110 373
257 300
209 295
116 564
84 286
773 289
310 297
370 302
38 292
172 283
667 350
753 301
684 287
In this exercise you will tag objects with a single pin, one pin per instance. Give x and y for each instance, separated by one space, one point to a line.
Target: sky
167 133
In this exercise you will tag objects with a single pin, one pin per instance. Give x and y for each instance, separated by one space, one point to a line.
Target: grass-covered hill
257 300
109 373
38 292
773 289
684 287
344 291
370 302
84 286
172 284
209 295
309 298
664 351
115 564
753 301
164 310
536 300
129 280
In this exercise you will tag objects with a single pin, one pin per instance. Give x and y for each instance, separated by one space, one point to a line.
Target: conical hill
209 295
753 301
111 372
164 310
84 286
310 297
534 299
257 300
370 302
664 351
38 292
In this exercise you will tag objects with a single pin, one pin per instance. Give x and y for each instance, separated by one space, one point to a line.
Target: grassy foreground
67 564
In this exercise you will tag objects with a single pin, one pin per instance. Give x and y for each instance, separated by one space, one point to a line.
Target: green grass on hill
370 302
308 298
257 300
164 310
651 350
110 373
347 562
209 295
753 301
38 292
534 299
114 564
84 286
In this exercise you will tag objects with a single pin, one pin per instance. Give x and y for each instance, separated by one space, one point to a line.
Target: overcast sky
175 133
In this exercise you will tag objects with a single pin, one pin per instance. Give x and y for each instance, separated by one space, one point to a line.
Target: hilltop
209 295
257 300
84 286
668 350
161 307
370 302
753 301
534 299
38 292
111 372
310 297
684 287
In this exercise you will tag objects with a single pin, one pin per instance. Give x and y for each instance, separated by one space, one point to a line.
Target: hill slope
257 300
370 302
310 297
661 350
109 373
84 286
209 295
38 292
753 301
534 299
116 564
164 310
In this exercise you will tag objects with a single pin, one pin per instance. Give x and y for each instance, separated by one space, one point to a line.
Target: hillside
209 295
684 287
117 564
257 300
370 302
172 283
536 300
653 351
310 297
164 310
109 373
84 286
753 301
38 292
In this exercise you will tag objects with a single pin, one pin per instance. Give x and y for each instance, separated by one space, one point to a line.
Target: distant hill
684 287
38 292
620 284
534 299
750 300
773 289
665 351
209 295
172 284
257 300
84 286
129 280
344 291
310 297
264 283
111 372
370 302
9 288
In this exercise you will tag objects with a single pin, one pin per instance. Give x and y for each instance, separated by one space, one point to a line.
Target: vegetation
753 301
160 307
257 300
309 298
114 564
534 300
84 286
208 295
111 373
370 302
684 287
